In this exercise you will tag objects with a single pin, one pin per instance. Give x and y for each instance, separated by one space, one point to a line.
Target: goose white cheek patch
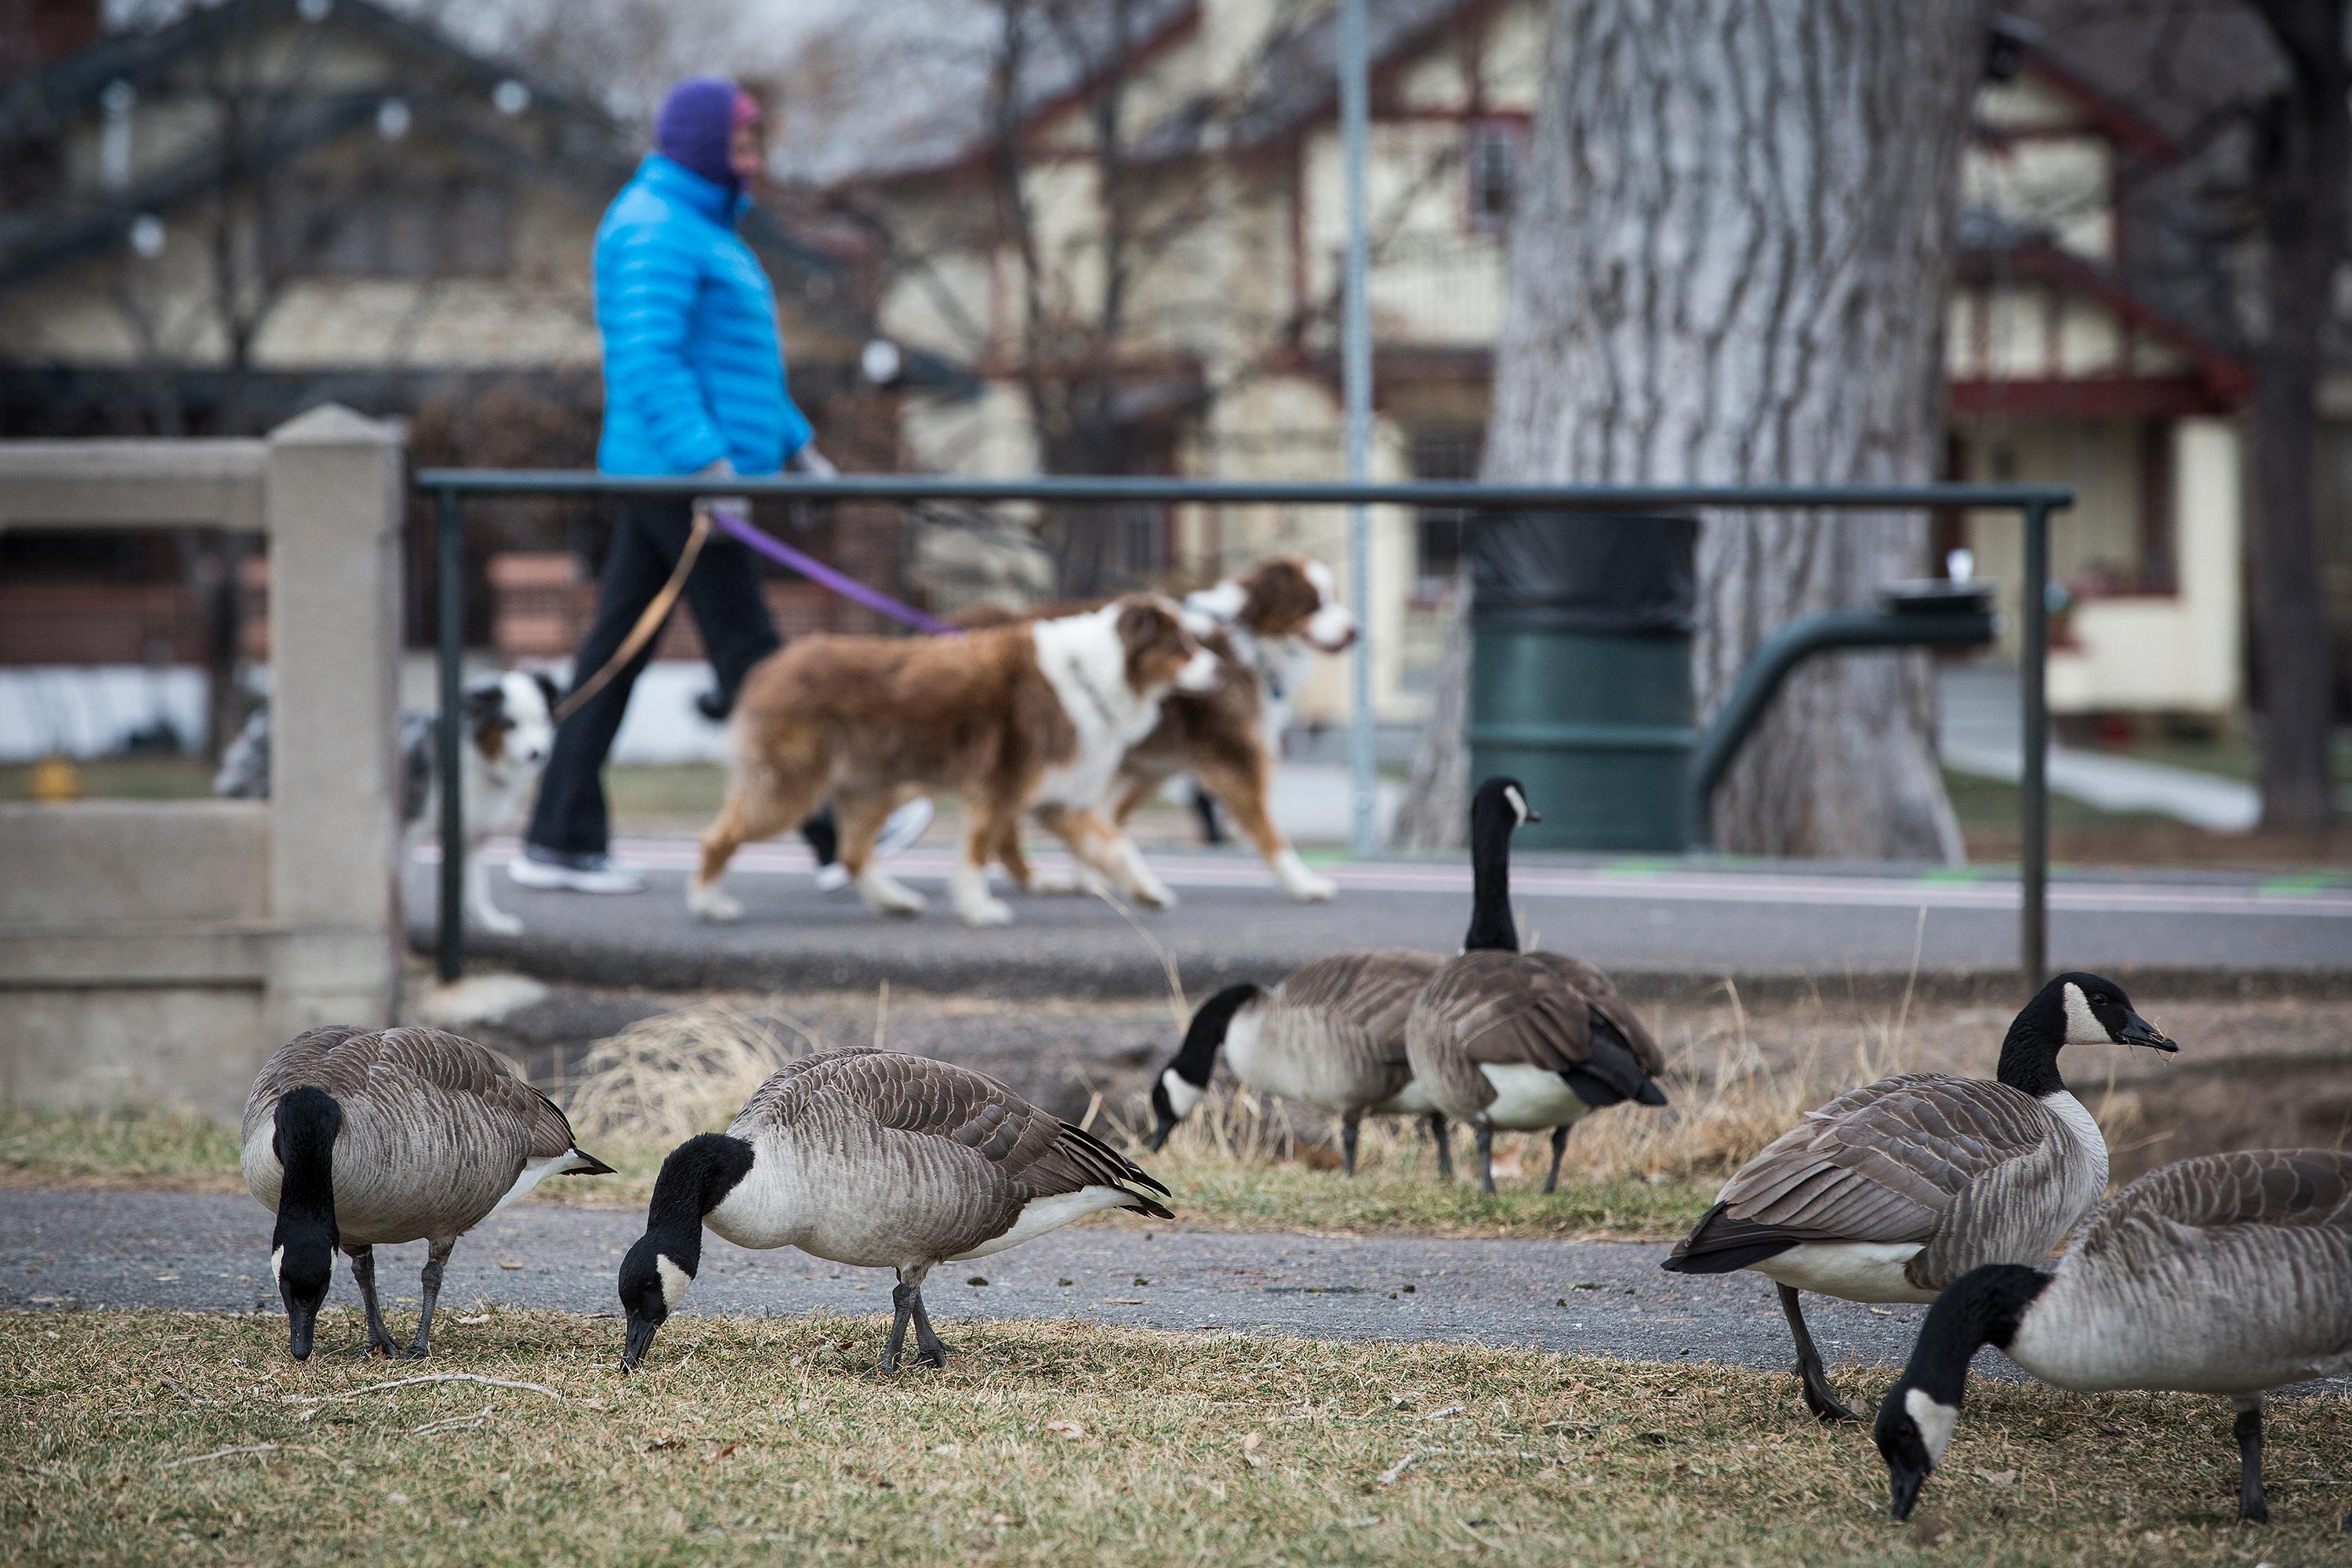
2083 1027
278 1264
674 1281
1181 1096
1935 1421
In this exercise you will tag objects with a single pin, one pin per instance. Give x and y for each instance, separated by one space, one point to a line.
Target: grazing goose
1521 1041
2227 1274
1891 1192
1332 1034
881 1161
356 1137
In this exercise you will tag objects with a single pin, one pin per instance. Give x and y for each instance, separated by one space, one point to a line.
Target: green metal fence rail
2034 504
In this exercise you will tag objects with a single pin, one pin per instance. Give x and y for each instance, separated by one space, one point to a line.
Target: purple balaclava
696 120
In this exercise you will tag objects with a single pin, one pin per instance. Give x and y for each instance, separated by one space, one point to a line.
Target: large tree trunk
1730 266
2305 168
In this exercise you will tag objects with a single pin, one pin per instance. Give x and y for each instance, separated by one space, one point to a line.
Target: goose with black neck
878 1160
1891 1191
2228 1274
1521 1041
357 1137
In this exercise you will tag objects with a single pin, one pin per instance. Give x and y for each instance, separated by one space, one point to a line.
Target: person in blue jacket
694 384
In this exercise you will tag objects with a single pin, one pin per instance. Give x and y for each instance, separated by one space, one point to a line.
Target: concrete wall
157 952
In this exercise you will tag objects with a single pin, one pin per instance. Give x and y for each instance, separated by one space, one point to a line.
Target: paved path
1653 922
210 1252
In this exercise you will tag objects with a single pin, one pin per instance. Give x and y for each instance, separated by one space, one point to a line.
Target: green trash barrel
1580 674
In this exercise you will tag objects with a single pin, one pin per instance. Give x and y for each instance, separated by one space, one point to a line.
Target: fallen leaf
477 1318
1249 1451
1139 1280
722 1453
1066 1428
508 1263
1066 1283
663 1441
1123 1300
977 1279
1998 1477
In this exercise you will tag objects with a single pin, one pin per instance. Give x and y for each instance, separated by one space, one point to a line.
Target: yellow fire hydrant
54 777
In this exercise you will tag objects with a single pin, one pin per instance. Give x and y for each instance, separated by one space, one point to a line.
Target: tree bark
1730 266
2305 181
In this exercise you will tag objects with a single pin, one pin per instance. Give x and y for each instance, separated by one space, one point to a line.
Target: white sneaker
551 871
904 826
898 834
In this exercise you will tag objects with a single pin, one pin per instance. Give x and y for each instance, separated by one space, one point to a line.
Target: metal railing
2033 503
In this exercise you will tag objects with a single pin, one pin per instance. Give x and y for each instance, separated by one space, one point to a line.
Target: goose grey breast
436 1132
2223 1274
1333 1032
884 1160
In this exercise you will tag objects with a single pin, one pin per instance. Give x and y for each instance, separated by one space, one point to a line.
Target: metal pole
1356 352
2033 785
452 945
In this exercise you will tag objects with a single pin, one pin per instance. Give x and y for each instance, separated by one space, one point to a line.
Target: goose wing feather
1342 1021
1889 1162
2288 1189
1531 1009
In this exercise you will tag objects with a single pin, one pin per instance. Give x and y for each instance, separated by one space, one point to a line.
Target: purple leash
840 582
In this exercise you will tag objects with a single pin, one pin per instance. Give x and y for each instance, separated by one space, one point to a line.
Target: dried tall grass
665 1078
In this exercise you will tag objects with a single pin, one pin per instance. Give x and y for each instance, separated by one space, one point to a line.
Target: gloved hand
733 509
813 463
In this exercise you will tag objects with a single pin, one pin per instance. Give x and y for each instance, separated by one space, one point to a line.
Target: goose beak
1159 1139
300 1323
1905 1483
2138 1031
640 1339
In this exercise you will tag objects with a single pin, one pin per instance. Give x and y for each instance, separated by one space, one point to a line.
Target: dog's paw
1054 884
497 922
1154 894
983 912
886 896
714 905
1305 885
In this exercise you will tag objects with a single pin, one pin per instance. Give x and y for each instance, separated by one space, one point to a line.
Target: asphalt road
1649 922
211 1252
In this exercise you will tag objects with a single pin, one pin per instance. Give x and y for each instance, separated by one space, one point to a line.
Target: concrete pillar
333 508
2208 506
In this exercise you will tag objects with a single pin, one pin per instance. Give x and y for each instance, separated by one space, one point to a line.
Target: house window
1443 454
1492 161
446 228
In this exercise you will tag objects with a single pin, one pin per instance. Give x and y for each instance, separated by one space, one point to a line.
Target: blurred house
2060 369
210 224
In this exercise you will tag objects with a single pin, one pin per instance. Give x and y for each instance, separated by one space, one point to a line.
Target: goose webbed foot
373 1345
2251 1508
1812 1376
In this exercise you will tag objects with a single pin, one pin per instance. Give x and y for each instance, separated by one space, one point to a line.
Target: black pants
723 593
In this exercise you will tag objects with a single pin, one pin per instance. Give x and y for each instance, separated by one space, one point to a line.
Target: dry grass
174 1149
149 1436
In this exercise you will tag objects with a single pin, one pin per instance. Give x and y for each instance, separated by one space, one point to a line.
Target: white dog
509 730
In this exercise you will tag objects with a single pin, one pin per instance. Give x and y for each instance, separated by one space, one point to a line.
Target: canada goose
356 1136
1501 1038
2226 1274
1891 1191
878 1160
1332 1034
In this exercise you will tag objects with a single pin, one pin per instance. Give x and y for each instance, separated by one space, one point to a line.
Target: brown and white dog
1031 716
1265 626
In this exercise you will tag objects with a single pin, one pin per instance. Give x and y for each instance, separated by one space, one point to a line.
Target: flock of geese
2229 1274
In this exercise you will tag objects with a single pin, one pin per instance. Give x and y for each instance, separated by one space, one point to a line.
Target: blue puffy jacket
693 370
